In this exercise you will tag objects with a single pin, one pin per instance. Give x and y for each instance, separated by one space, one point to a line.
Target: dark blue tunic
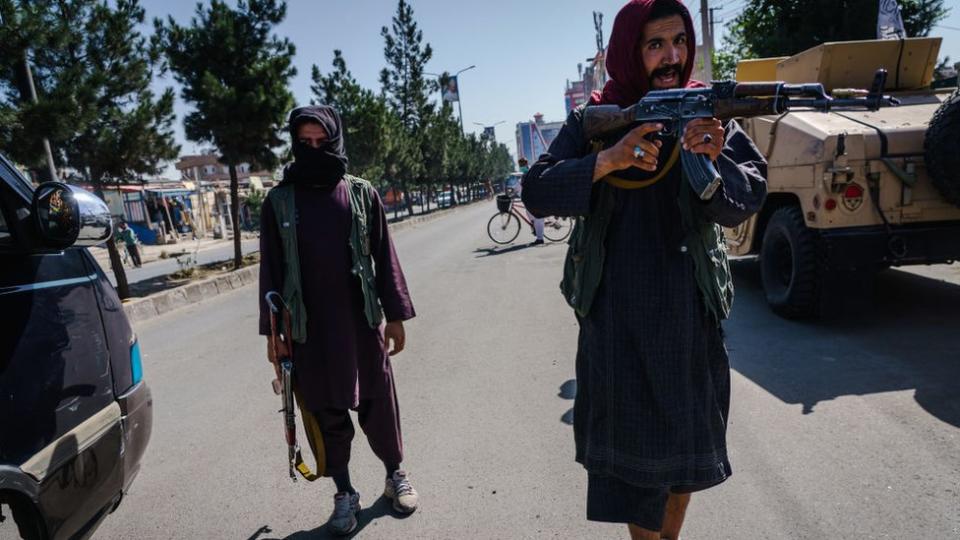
653 378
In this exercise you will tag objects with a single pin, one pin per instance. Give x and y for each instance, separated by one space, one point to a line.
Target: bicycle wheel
503 227
557 229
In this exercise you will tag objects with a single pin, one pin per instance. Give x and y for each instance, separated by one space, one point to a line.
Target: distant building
212 171
575 95
533 138
205 175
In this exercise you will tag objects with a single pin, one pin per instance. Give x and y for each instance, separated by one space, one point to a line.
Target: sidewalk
150 253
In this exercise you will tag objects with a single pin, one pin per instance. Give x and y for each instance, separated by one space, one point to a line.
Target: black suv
75 414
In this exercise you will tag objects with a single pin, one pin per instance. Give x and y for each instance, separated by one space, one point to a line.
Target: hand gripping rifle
725 100
283 384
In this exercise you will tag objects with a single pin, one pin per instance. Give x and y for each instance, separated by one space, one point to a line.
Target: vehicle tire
789 265
503 227
557 229
941 149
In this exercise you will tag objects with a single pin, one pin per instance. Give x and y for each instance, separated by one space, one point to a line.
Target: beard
666 76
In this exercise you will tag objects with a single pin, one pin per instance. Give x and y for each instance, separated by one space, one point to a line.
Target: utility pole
706 35
713 23
30 92
459 93
27 74
598 28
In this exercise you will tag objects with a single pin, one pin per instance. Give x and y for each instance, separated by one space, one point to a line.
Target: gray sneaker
398 488
343 520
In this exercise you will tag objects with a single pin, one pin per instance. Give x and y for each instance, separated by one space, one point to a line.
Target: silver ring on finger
638 152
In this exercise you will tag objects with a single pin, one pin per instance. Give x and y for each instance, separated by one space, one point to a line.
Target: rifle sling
621 183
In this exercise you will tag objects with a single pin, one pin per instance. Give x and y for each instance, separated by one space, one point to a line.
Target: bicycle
504 226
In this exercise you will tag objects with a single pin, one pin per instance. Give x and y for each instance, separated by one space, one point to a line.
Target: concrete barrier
144 309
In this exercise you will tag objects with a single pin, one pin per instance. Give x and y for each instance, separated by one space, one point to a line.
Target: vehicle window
15 180
27 273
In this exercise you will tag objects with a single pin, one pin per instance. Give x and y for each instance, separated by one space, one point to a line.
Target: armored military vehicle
853 192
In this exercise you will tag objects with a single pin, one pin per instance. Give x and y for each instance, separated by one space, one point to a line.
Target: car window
14 179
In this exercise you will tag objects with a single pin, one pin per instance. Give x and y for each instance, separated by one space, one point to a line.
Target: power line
947 27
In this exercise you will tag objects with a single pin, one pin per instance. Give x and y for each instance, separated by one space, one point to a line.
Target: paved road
845 429
163 267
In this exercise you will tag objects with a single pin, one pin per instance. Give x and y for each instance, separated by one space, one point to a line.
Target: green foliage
32 30
724 65
236 76
768 28
400 138
132 131
255 203
364 115
92 73
403 82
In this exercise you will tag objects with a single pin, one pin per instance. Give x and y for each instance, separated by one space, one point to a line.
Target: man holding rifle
326 248
648 277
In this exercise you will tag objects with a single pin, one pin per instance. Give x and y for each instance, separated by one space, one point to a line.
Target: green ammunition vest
583 268
282 200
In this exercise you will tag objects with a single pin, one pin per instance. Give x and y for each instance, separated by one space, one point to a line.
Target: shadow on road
490 252
902 334
382 507
568 390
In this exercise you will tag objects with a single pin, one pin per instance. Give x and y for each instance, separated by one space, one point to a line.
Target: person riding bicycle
537 222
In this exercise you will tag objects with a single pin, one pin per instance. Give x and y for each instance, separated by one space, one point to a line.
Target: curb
143 309
437 214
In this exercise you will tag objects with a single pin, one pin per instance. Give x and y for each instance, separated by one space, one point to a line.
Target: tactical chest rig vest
284 207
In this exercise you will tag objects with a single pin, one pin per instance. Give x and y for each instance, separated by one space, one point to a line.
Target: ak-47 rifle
283 384
725 100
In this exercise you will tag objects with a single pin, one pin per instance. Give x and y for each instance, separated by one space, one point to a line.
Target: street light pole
459 93
490 127
460 96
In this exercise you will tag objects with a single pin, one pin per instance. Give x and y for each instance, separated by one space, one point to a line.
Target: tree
406 90
403 82
364 116
130 132
439 144
768 28
236 74
32 33
97 67
724 65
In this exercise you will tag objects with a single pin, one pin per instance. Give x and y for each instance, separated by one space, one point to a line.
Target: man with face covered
648 277
326 247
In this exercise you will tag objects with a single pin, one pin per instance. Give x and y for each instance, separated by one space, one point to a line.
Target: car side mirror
68 216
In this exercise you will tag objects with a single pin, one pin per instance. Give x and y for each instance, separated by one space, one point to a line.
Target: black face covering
324 166
317 166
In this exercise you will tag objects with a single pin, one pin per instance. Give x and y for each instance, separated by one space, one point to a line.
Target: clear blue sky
524 51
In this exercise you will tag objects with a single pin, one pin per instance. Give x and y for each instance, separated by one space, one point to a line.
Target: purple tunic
343 360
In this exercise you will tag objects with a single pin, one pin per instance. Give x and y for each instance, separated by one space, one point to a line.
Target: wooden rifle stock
599 120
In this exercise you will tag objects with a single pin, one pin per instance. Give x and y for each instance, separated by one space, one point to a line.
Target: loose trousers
380 421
